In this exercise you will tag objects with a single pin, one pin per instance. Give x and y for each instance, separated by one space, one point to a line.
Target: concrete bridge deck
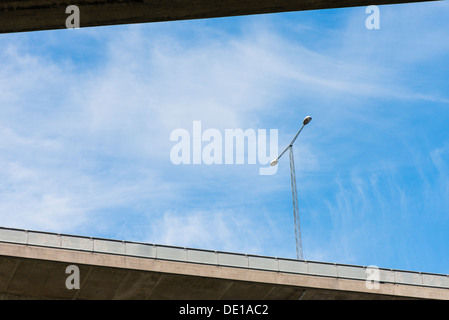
34 15
33 266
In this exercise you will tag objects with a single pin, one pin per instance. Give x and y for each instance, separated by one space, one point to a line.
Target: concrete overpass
33 15
33 266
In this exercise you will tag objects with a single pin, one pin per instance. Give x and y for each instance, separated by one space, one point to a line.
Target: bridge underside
34 15
42 279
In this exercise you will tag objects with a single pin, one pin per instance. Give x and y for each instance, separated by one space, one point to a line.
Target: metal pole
294 191
298 239
291 143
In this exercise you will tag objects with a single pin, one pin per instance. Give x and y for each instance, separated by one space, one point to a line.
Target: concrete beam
28 272
33 265
34 15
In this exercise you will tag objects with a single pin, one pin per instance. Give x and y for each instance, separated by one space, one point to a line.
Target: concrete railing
227 259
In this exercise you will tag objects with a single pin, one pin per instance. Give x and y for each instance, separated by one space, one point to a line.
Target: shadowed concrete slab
33 15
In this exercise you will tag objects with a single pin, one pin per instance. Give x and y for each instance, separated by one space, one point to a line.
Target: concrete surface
33 15
33 266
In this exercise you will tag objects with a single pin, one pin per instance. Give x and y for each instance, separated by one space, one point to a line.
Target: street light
274 162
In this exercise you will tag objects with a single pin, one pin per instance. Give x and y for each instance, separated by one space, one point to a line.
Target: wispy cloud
85 138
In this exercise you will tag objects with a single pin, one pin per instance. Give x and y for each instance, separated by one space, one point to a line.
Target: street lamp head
307 120
274 162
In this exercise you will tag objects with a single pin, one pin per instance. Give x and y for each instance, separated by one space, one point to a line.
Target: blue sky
86 117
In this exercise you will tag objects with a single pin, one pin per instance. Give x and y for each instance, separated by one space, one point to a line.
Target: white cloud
78 142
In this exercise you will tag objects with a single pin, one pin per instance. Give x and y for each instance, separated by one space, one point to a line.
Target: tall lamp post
274 162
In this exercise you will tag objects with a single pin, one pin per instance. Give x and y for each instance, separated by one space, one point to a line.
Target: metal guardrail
218 258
